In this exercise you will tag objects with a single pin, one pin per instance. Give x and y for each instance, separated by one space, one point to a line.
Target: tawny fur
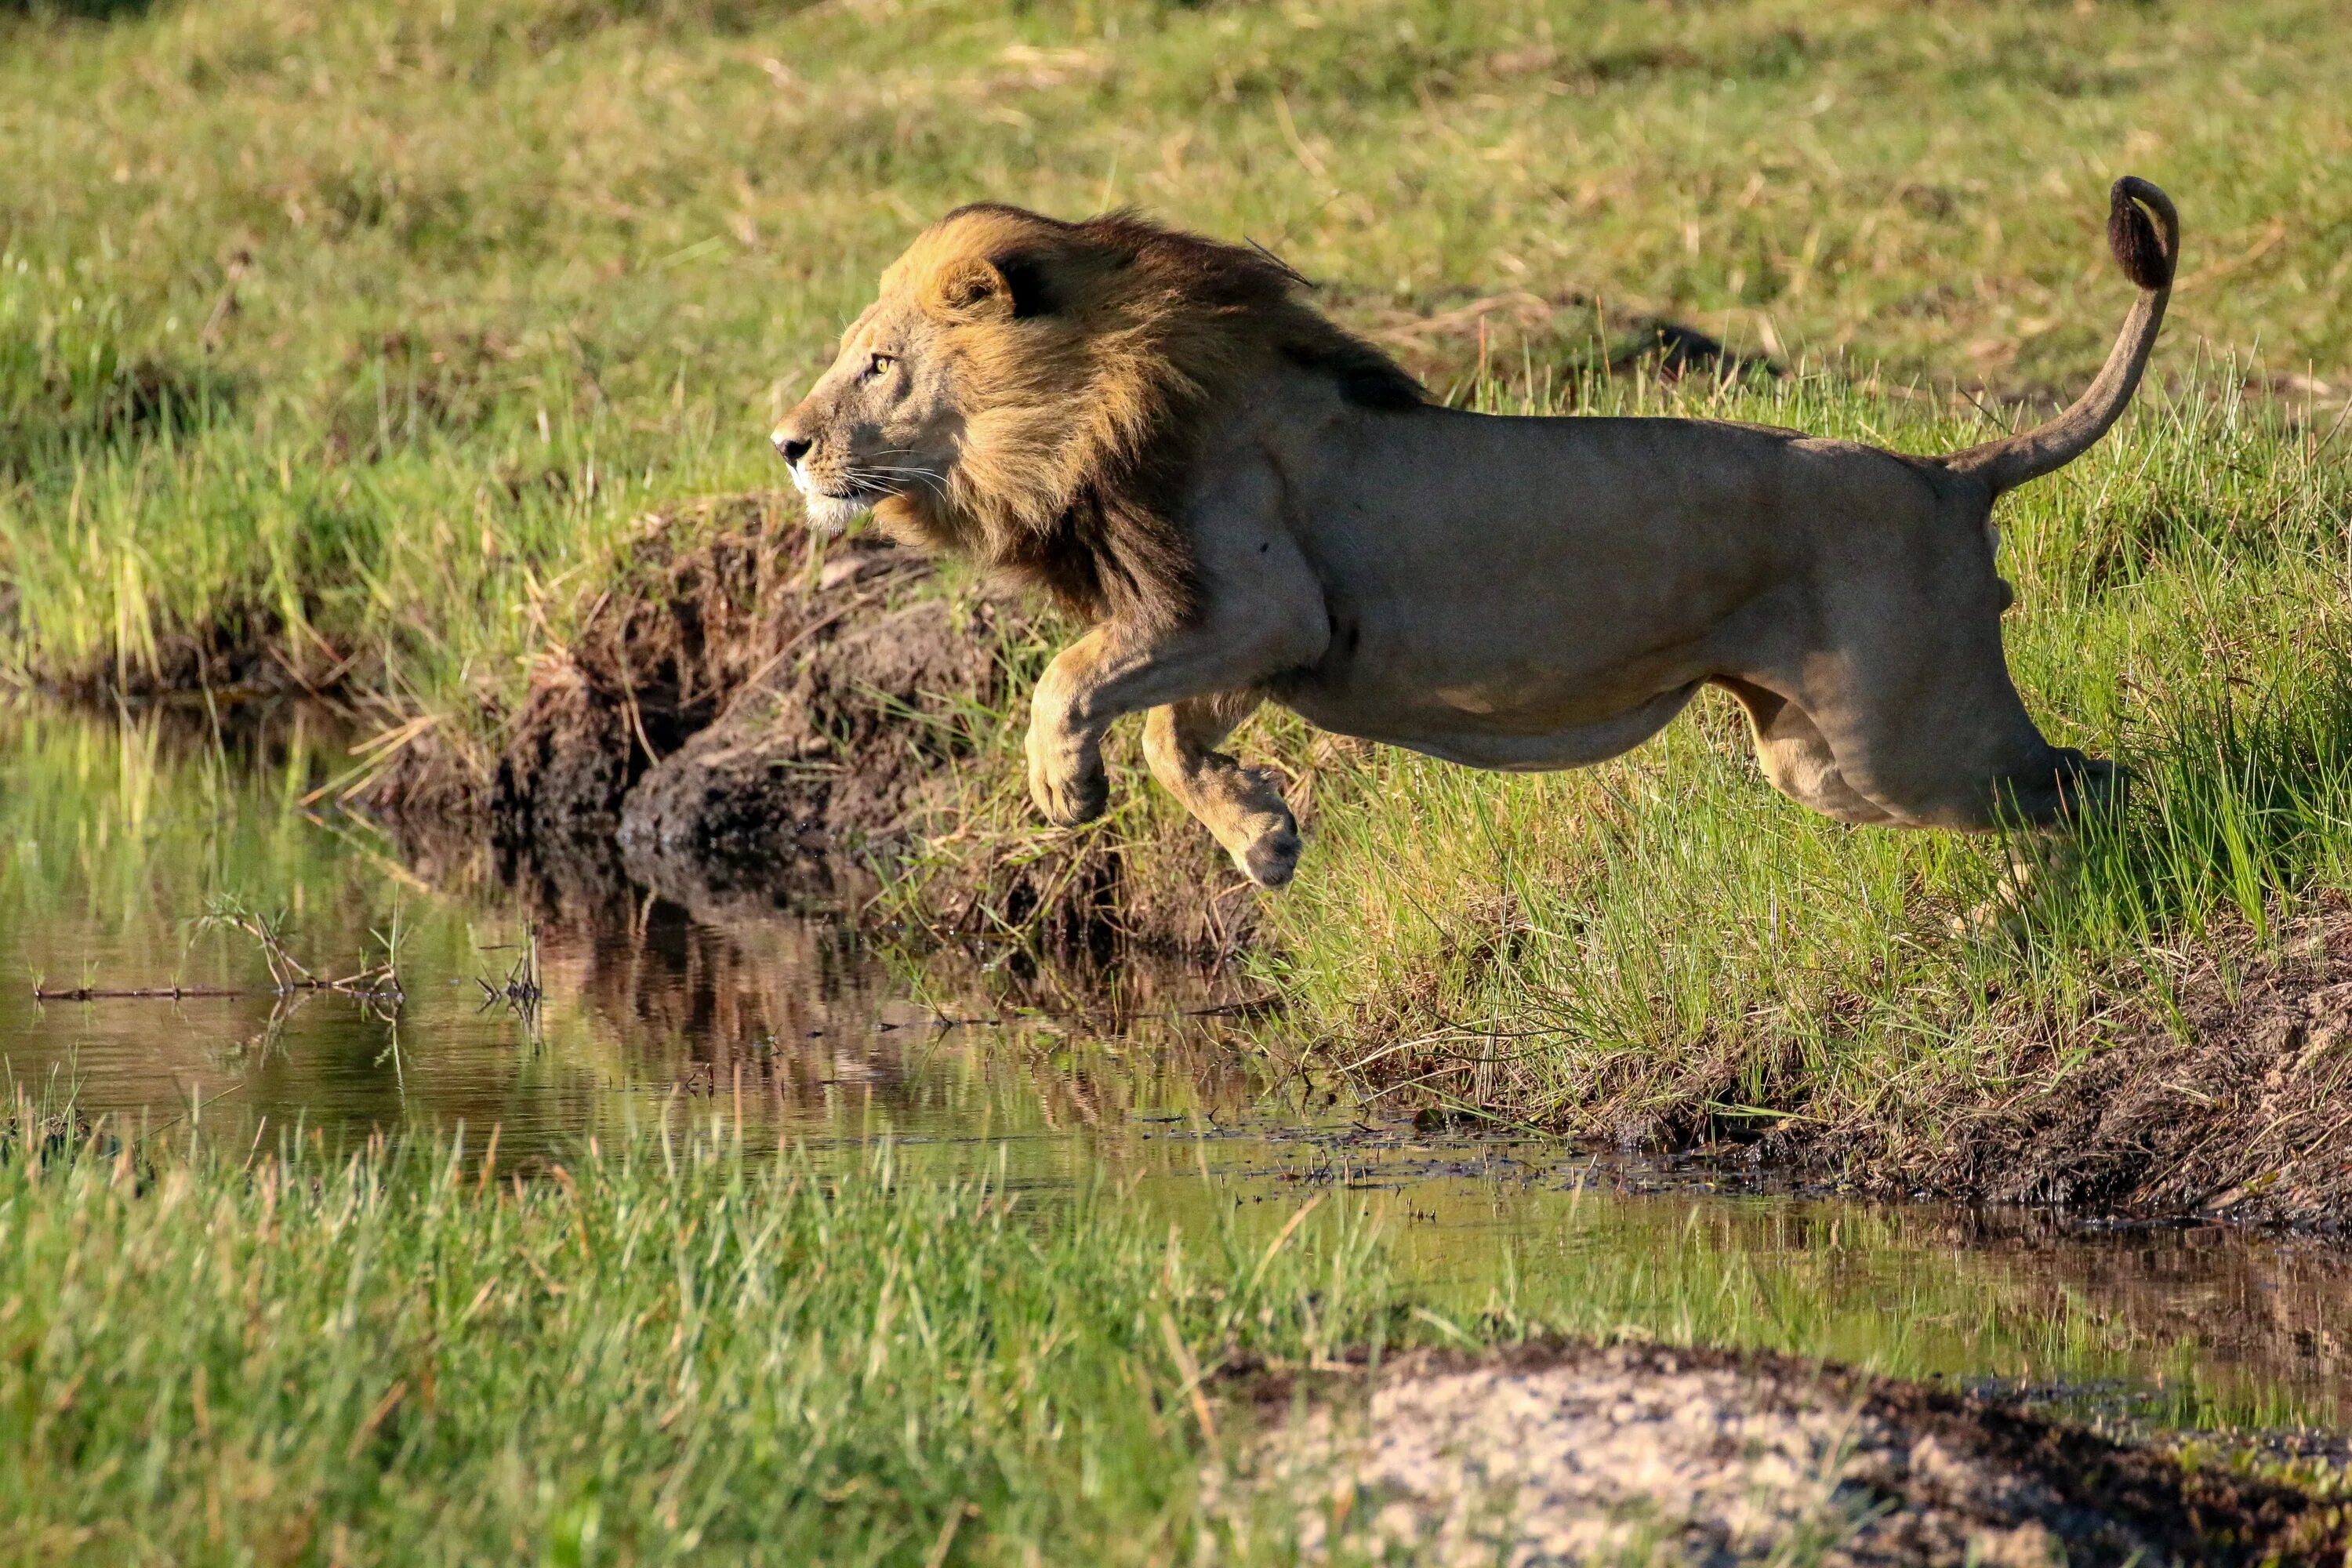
1247 503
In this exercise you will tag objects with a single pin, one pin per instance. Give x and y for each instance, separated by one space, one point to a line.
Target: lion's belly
1533 593
1511 716
1518 739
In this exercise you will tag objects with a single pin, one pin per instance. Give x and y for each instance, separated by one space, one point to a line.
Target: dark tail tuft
2144 231
2132 237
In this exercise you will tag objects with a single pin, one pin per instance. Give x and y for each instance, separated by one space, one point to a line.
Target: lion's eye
879 365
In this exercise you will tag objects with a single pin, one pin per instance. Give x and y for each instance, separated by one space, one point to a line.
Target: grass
684 1345
668 1350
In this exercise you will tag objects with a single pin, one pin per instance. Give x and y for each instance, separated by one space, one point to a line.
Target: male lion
1245 501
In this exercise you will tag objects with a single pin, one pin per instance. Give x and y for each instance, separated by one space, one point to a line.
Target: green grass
683 1347
369 329
368 334
671 1350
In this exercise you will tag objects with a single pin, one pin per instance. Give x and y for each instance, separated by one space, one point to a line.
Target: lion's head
1032 392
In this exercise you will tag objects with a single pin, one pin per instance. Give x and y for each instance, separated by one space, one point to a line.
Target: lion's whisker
868 473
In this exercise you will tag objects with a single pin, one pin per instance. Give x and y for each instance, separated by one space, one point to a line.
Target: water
116 836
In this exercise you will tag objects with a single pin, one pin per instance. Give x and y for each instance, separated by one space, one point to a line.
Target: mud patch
240 657
1558 1454
2237 1109
856 739
2233 1105
741 690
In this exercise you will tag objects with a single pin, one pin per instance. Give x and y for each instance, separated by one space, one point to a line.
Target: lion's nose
791 448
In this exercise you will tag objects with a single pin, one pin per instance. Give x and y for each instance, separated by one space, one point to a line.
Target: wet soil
746 703
235 660
743 691
1565 1452
2233 1107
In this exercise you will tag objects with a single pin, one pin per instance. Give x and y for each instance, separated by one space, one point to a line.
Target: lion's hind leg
1240 806
1959 766
1798 761
1924 721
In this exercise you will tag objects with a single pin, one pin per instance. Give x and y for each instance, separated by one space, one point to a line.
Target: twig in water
373 983
377 984
521 991
110 993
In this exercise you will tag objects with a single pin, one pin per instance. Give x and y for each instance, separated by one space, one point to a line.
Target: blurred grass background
356 327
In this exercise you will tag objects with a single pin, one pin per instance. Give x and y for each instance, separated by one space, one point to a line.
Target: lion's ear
1010 286
971 286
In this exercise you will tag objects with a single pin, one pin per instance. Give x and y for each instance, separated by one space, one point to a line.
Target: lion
1247 503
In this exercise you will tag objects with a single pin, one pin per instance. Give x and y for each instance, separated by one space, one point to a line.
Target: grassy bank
2181 608
671 1351
349 350
679 1349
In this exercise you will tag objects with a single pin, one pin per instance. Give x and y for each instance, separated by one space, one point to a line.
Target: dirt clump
236 659
831 745
707 594
1572 1453
2233 1107
749 711
742 690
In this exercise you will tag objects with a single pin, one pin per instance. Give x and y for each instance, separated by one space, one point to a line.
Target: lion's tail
2148 253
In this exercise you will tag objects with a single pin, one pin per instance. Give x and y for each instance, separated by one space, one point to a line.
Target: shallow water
117 836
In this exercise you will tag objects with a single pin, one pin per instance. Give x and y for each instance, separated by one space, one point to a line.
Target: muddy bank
2218 1096
2232 1108
724 693
1556 1454
239 659
748 710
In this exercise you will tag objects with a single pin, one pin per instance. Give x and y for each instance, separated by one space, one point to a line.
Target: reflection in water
670 995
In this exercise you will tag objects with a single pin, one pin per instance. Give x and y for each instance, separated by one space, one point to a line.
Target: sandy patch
1577 1454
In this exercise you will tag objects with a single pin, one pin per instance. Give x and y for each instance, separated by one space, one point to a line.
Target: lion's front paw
1266 846
1074 791
1271 857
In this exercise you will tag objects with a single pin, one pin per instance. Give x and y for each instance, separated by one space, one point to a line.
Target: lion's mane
1084 403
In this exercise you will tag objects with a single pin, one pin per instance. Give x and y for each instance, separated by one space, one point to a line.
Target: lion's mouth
830 510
